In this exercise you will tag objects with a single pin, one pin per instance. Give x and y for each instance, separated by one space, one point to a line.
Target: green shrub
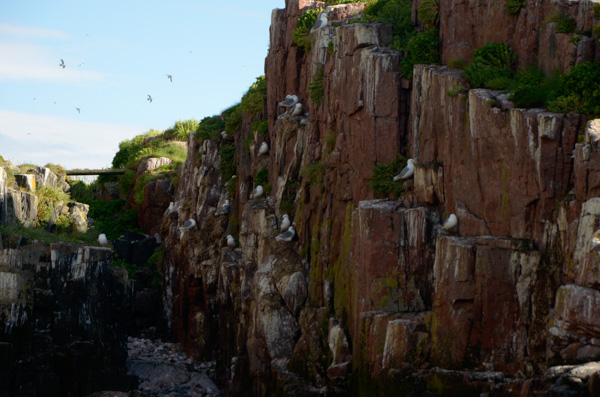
579 91
315 172
261 127
48 200
181 129
329 141
428 11
596 31
111 218
421 48
126 182
262 177
301 34
566 25
514 6
492 61
253 100
82 192
396 13
457 63
315 87
383 174
227 163
457 89
533 88
233 119
596 10
288 197
129 149
210 127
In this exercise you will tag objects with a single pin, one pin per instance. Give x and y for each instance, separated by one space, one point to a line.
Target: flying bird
81 64
264 148
285 222
149 99
257 192
407 171
230 241
62 63
450 223
190 223
286 236
78 110
170 77
320 23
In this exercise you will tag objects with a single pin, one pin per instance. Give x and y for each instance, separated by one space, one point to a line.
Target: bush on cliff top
491 62
210 127
579 91
383 178
301 34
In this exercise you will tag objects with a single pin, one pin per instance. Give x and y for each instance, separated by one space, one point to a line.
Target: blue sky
116 54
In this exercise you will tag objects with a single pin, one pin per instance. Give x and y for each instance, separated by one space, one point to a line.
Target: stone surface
26 181
135 248
64 316
21 208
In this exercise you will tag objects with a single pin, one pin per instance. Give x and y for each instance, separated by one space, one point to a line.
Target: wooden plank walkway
105 171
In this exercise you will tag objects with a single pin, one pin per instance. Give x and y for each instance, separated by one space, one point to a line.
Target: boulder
135 248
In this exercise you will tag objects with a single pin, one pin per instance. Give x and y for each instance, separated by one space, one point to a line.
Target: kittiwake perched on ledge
450 223
289 101
285 222
286 236
225 209
257 192
230 241
407 171
596 240
103 240
296 110
264 148
190 223
320 23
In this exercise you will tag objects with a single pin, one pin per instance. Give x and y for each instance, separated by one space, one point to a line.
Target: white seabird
286 236
320 23
170 77
290 100
264 148
225 209
257 192
102 240
296 110
230 241
190 223
450 223
407 171
596 240
305 121
149 99
62 63
285 222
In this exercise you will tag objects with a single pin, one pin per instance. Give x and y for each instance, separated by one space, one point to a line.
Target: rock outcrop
373 295
65 315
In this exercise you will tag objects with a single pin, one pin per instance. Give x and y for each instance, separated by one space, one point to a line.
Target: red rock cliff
374 295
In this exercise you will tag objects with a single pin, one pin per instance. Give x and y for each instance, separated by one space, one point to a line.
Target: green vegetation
579 91
44 236
492 64
289 196
421 48
301 33
262 177
254 99
396 13
514 6
329 141
533 89
112 218
596 10
180 130
227 164
457 89
457 63
428 12
210 127
315 172
233 119
563 23
261 127
383 174
315 87
48 200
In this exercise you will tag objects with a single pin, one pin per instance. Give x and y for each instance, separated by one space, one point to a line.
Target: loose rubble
165 370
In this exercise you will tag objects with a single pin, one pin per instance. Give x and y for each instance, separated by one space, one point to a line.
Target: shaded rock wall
64 315
373 297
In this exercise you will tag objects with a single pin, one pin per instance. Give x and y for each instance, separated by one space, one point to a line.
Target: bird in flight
81 64
149 99
78 110
62 63
170 77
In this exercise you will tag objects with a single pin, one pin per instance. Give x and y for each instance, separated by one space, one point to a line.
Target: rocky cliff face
373 295
65 316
